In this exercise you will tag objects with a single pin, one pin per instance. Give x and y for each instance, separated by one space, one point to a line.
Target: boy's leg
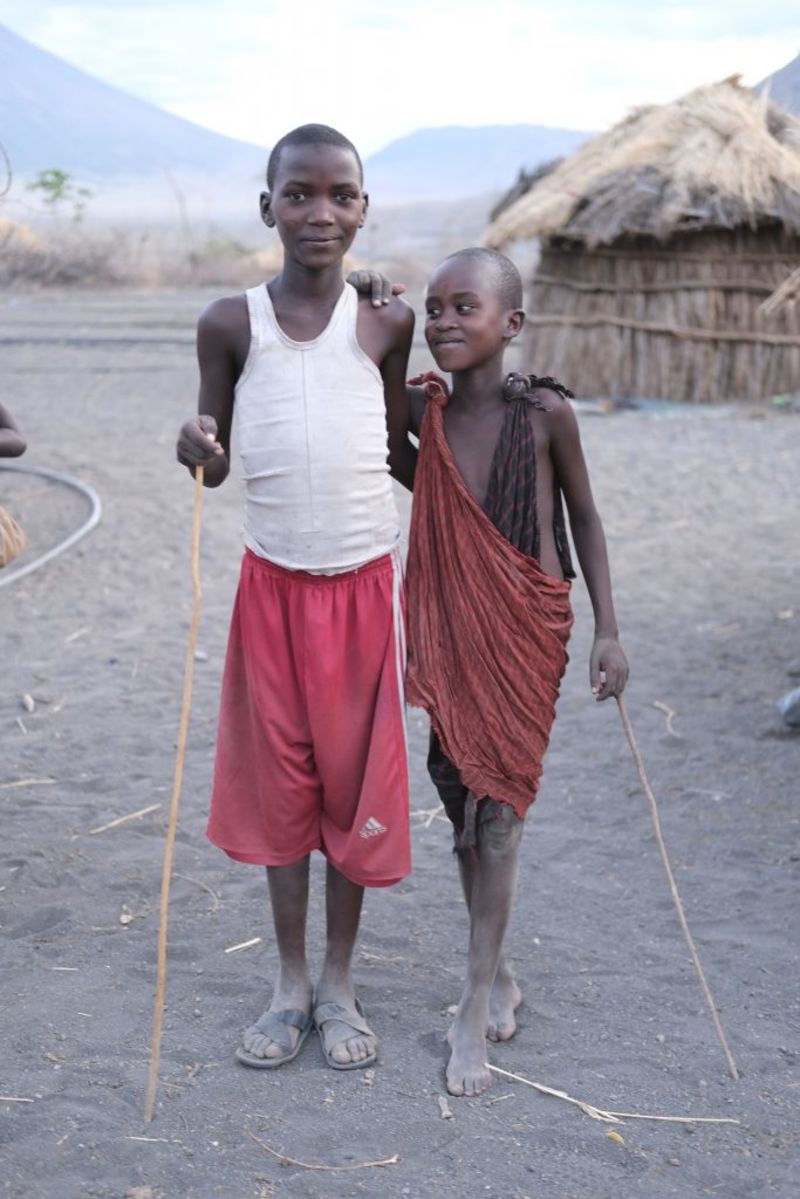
505 996
354 697
267 792
288 888
494 878
343 901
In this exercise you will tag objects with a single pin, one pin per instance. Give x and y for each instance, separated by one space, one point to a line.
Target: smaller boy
11 443
488 606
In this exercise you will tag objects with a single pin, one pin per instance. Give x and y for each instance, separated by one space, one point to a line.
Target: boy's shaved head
509 281
310 135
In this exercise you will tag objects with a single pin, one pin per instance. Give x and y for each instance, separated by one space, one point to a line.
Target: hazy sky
380 68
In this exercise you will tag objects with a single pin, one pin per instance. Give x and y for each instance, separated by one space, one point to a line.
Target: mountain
53 115
141 161
784 86
456 160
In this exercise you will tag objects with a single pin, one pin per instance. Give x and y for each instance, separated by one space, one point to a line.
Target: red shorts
311 745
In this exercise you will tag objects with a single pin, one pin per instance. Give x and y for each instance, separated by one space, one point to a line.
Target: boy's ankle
335 978
474 1001
293 977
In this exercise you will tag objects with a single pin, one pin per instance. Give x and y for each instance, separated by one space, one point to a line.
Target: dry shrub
69 257
77 255
85 255
14 235
228 263
20 250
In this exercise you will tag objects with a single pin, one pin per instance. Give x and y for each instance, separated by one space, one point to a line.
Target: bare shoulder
547 399
396 317
400 313
227 316
556 408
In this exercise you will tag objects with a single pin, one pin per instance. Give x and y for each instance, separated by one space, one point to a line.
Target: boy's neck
479 387
296 282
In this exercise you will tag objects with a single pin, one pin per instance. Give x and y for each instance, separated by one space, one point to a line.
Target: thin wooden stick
601 1113
243 945
169 847
588 1109
430 814
651 800
26 783
285 1160
215 906
670 714
124 819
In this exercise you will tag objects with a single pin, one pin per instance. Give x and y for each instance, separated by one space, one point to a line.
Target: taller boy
311 739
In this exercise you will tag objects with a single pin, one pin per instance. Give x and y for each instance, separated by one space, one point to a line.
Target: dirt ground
700 508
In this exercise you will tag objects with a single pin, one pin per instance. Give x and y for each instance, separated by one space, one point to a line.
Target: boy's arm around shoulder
223 334
608 667
397 321
12 444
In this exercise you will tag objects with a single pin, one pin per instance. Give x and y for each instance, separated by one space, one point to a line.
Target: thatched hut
660 241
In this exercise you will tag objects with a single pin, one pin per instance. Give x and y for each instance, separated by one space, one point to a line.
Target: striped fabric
510 500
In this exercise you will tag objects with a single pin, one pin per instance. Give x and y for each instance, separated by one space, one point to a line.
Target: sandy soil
701 513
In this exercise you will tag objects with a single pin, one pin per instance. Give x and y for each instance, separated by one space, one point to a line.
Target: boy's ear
514 322
365 199
265 207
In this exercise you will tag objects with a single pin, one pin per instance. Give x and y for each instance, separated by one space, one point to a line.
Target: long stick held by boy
311 743
489 613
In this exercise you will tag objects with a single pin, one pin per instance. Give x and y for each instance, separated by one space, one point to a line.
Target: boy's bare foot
347 1040
256 1043
504 1000
466 1072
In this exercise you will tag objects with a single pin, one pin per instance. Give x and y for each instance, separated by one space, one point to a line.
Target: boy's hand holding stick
198 447
608 668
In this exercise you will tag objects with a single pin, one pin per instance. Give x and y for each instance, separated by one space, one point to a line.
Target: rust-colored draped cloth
487 629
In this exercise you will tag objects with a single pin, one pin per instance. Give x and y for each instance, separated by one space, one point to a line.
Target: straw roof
719 158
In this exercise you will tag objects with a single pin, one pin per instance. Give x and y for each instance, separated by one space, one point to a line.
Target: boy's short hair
310 135
509 280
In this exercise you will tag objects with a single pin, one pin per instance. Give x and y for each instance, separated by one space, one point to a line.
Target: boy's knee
500 831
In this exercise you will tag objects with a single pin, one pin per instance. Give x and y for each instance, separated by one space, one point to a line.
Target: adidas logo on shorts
372 828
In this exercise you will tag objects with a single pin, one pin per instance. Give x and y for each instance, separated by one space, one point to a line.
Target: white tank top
311 423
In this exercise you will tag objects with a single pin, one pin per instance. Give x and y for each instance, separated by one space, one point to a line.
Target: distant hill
53 115
456 160
140 161
784 86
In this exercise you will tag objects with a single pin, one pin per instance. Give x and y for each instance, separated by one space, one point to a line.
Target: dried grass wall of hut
678 321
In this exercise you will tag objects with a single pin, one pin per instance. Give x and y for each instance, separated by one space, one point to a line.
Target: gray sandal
335 1011
275 1025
